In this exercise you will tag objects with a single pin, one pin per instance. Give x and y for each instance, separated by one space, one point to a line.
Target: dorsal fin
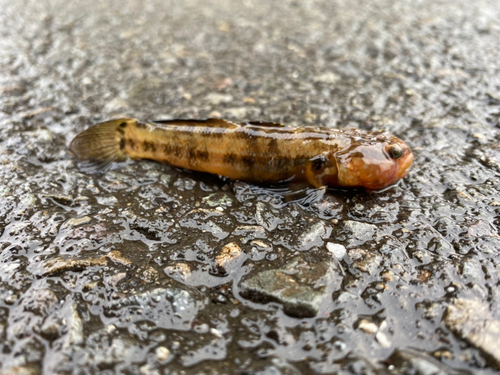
209 122
265 124
216 122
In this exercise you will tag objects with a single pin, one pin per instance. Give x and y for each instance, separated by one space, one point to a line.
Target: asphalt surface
149 269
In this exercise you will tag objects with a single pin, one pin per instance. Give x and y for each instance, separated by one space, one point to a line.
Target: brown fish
253 151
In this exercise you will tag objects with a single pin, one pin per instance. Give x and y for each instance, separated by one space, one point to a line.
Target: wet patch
150 269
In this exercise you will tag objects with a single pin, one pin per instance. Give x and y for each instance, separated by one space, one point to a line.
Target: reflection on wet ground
154 270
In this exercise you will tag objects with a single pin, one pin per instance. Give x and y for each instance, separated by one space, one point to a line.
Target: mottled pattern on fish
253 151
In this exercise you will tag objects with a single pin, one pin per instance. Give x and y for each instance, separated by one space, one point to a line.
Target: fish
255 151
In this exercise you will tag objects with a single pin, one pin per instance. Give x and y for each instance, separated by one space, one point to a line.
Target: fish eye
395 151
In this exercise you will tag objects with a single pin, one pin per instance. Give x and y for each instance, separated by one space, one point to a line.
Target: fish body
253 151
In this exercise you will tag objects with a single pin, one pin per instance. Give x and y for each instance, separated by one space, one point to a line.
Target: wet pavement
150 269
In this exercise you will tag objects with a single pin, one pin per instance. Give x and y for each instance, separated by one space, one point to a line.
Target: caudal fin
99 146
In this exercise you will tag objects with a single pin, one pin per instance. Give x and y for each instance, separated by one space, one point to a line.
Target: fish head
373 163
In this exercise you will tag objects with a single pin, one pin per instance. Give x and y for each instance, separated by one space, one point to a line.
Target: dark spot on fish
272 146
300 160
168 148
140 125
248 161
202 155
212 134
123 124
179 152
242 135
230 158
149 146
172 150
191 155
318 163
122 144
131 144
218 135
282 162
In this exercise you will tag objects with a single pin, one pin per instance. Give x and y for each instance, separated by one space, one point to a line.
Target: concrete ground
149 269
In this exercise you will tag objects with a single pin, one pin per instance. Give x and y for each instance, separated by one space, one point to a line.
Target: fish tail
98 147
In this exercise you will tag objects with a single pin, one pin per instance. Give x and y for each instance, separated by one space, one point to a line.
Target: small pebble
383 340
368 327
338 250
111 328
162 353
9 300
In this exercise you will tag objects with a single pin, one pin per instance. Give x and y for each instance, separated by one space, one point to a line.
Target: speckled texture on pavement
149 269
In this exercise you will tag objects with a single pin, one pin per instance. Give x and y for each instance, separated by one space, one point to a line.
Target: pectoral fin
320 172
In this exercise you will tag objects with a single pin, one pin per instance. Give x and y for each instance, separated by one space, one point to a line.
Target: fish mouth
405 165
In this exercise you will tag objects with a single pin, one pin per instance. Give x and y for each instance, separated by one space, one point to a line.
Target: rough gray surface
300 285
127 272
409 361
472 320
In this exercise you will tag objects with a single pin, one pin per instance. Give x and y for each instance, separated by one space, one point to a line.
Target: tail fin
99 146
